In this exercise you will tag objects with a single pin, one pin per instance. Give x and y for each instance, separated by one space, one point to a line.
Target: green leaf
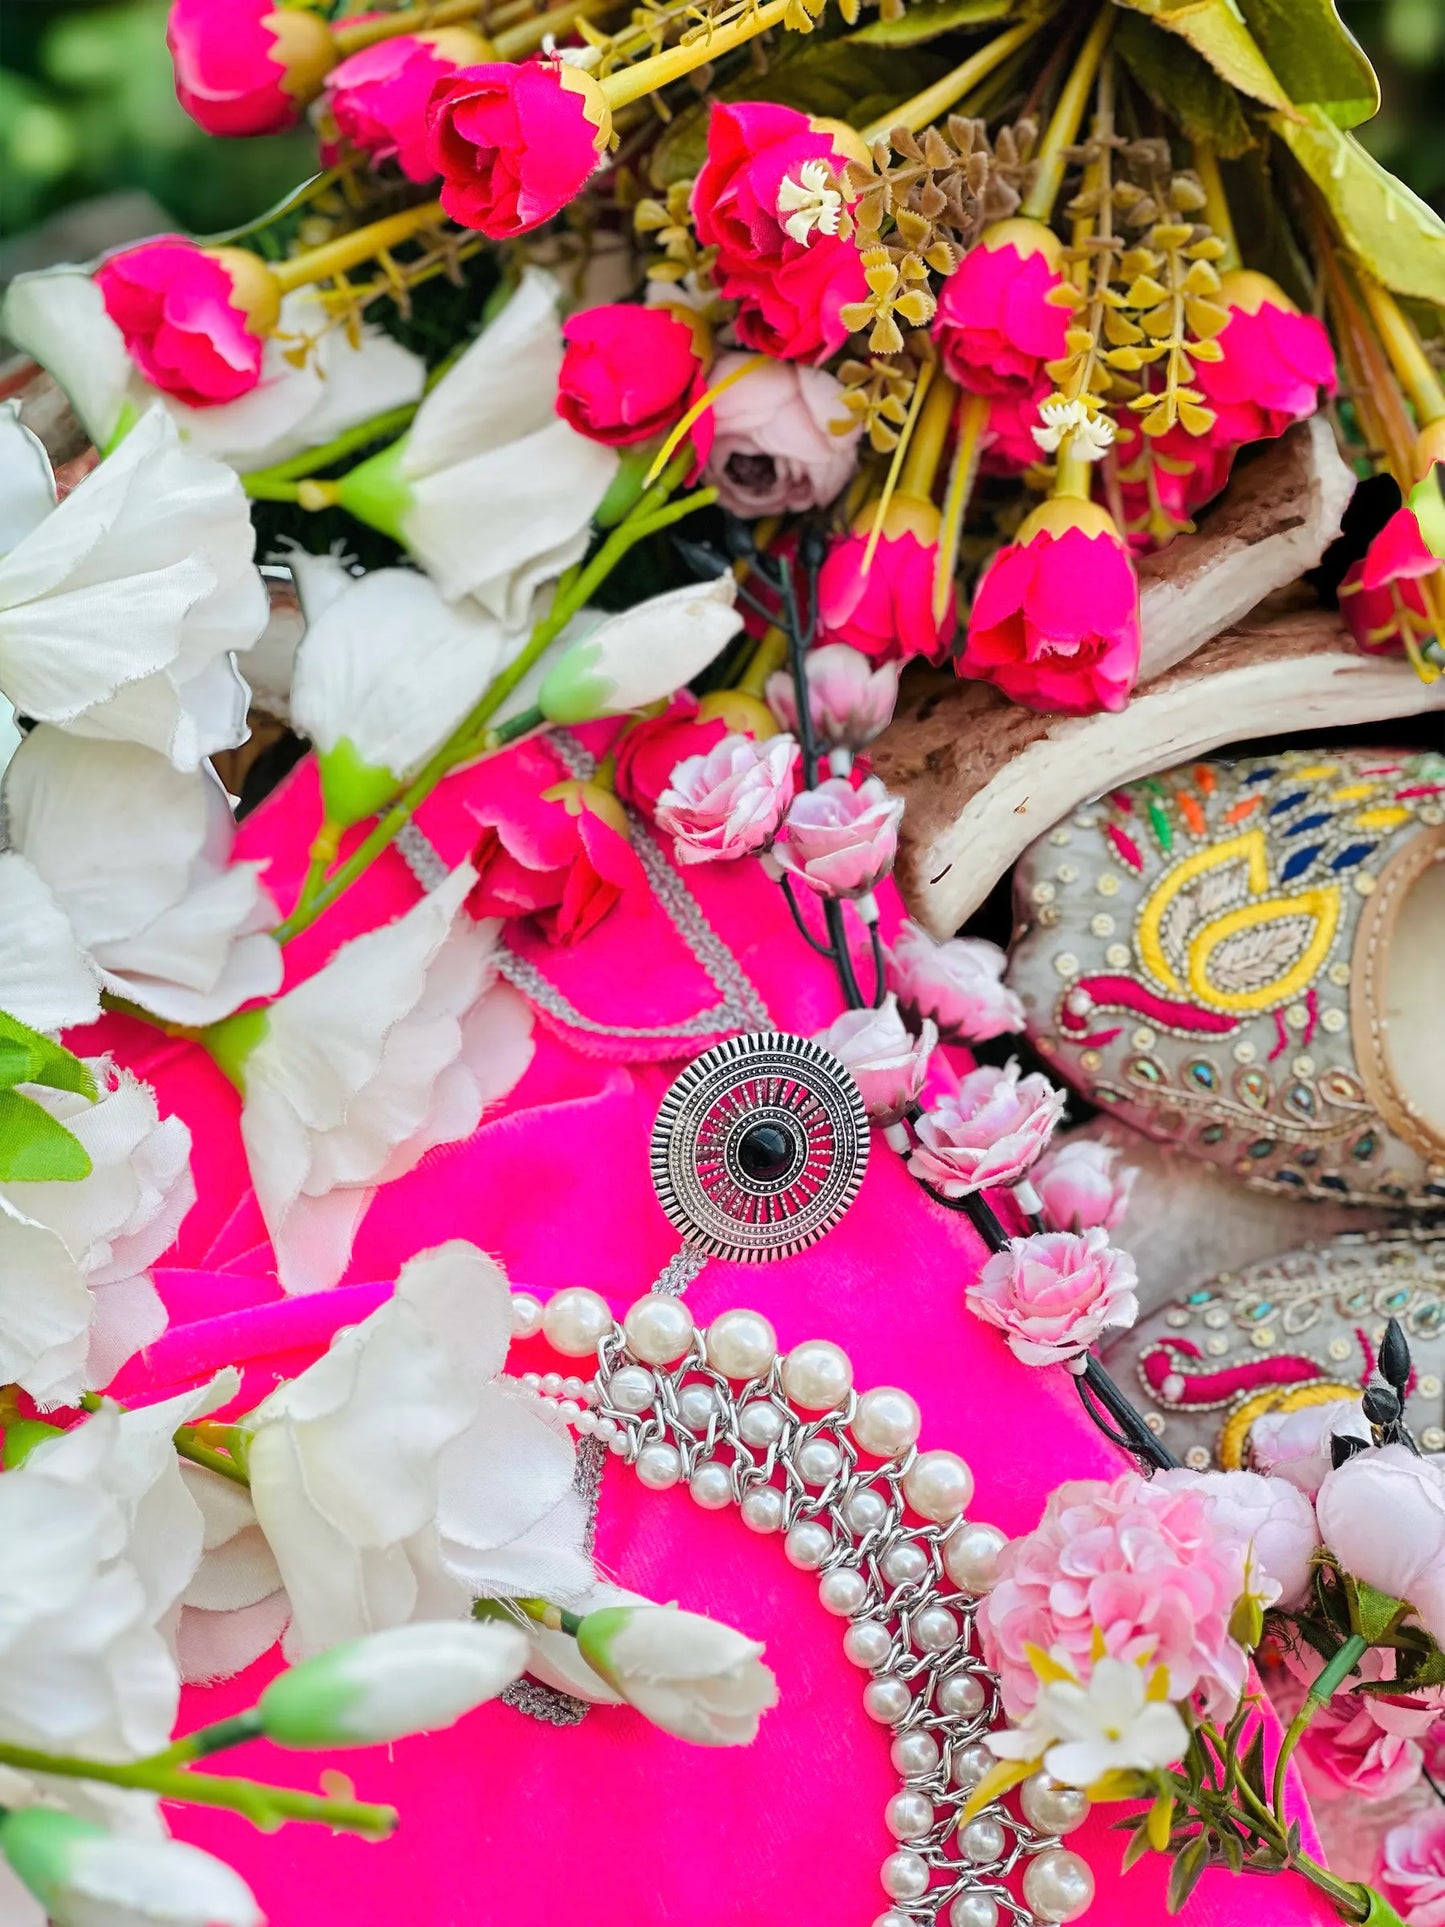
1317 59
1216 29
1397 237
1373 1615
926 19
29 1057
1137 1847
1184 1874
1184 85
1251 1765
35 1146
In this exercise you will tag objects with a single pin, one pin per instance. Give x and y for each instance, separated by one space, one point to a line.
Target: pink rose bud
1381 598
987 1132
730 802
887 610
841 841
1055 621
995 327
1382 1514
194 319
1008 446
1411 1870
378 98
1079 1187
650 750
1271 1518
1055 1293
791 291
1176 473
629 373
513 144
1296 1445
784 441
1274 361
959 984
889 1064
246 66
850 701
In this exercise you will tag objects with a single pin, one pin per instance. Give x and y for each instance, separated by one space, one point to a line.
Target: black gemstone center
765 1152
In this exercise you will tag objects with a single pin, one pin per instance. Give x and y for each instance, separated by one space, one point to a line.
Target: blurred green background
87 108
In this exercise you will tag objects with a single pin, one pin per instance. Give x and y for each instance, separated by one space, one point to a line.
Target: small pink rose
987 1132
650 750
514 143
246 66
1296 1445
1274 1521
1273 363
958 983
630 372
194 319
889 1064
378 97
841 841
1080 1187
886 611
996 327
1382 1514
849 699
1367 1745
730 802
1411 1873
777 449
1381 598
1053 1294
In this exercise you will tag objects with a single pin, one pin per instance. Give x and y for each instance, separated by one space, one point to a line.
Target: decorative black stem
880 968
823 949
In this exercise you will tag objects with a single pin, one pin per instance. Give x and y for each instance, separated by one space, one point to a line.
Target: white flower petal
58 318
46 980
27 486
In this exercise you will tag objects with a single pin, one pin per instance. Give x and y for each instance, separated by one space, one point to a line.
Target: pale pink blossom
729 802
1296 1445
959 984
775 450
841 841
849 699
1273 1518
889 1064
1365 1745
1080 1188
1054 1293
987 1132
1382 1514
1411 1873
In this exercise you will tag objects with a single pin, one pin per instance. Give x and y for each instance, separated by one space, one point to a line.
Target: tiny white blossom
811 202
1115 1721
1089 436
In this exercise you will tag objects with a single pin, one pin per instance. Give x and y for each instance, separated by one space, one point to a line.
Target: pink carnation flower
887 613
629 373
841 841
378 98
1274 362
1411 1873
651 749
1144 1567
1055 1293
193 318
776 449
995 327
246 66
1080 1188
889 1064
729 802
513 144
850 700
1380 597
987 1132
1271 1517
1296 1445
1382 1514
958 983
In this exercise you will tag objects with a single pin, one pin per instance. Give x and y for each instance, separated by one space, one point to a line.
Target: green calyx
231 1041
351 788
377 492
596 1634
1427 499
573 692
307 1705
22 1435
39 1843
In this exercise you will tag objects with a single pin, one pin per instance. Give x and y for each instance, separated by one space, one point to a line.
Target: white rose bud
81 1875
689 1675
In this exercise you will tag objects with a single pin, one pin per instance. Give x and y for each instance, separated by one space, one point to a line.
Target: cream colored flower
1118 1720
811 202
695 1678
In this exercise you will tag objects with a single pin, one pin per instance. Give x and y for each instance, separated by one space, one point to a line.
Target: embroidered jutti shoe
1244 960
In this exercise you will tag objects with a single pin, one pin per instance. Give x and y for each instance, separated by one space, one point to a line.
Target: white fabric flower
121 607
811 201
121 1811
394 1046
1089 436
642 654
236 1607
1115 1721
76 1299
87 1877
316 380
418 1678
119 869
693 1677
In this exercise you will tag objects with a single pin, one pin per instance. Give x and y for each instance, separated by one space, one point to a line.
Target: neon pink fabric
505 1819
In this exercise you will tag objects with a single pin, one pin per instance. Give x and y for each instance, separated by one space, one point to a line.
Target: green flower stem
258 482
1063 129
186 1443
266 1807
1330 1680
210 1739
546 1614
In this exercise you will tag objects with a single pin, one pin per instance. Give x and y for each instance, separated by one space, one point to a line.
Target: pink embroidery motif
1206 1389
1127 848
1122 993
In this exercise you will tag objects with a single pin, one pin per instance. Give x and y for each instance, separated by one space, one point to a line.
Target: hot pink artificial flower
378 98
729 802
958 983
1296 1445
790 293
1369 1745
514 143
1079 1187
1055 1293
1380 596
987 1132
1272 1517
194 318
649 751
1147 1569
995 327
841 841
246 66
1008 445
550 847
1184 472
1274 362
1411 1873
887 612
777 450
1055 620
1382 1514
889 1063
850 700
630 372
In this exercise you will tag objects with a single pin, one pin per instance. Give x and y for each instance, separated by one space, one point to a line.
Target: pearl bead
617 1445
935 1630
531 1381
573 1387
892 1918
607 1430
915 1754
658 1329
818 1461
961 1696
973 1910
886 1422
552 1384
763 1509
808 1544
526 1314
904 1875
886 1700
659 1466
865 1511
908 1815
867 1642
970 1763
569 1411
760 1423
938 1485
970 1555
741 1344
574 1320
817 1375
1058 1885
712 1486
695 1406
587 1422
1050 1807
904 1564
983 1840
632 1389
842 1591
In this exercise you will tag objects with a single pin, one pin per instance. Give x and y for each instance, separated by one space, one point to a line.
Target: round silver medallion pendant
759 1147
